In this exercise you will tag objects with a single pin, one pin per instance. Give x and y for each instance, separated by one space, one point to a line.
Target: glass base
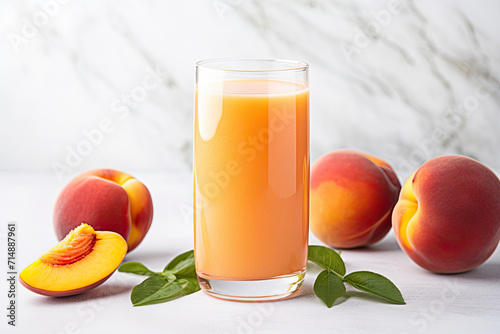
275 288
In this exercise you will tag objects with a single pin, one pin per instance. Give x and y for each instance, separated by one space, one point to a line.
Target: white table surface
465 303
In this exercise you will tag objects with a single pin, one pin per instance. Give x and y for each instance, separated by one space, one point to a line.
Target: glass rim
294 65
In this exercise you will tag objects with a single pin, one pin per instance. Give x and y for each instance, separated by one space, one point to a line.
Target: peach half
447 218
107 199
352 197
83 260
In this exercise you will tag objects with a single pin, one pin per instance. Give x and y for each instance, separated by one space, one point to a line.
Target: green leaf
326 258
375 284
177 279
194 281
169 276
182 265
135 268
157 289
328 287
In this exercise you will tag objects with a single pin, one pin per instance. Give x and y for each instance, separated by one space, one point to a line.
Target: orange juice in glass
251 177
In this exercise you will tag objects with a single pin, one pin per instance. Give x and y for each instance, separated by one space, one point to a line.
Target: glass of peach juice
251 177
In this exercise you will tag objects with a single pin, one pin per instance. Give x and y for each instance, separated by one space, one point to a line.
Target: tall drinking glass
251 177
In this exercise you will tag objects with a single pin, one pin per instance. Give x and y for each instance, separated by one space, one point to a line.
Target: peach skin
447 218
352 197
108 200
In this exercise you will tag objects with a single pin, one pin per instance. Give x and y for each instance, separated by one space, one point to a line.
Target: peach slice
83 260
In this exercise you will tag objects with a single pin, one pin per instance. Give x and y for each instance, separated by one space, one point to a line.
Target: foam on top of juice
253 87
261 87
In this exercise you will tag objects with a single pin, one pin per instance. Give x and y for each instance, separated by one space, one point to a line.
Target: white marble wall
401 80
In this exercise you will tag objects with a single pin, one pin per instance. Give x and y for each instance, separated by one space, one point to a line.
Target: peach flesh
66 293
83 260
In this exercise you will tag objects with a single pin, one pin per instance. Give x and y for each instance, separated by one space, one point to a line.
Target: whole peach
108 200
352 197
447 218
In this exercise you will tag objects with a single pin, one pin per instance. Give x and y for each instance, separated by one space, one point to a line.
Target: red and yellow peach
108 200
447 218
352 197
